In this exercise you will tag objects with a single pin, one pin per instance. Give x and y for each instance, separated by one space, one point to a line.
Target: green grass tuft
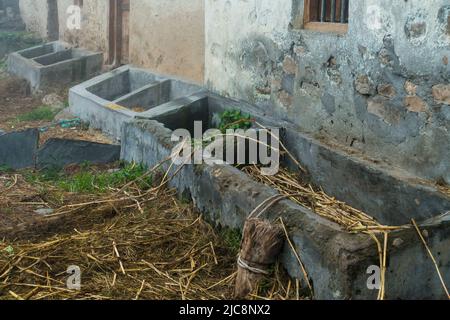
22 37
232 239
5 169
43 113
89 181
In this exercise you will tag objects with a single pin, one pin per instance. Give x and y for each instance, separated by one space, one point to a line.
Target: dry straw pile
133 243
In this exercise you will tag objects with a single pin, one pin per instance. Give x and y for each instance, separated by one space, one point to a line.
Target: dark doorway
52 20
10 19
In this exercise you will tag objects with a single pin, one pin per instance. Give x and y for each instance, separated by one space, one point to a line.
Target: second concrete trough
109 100
54 64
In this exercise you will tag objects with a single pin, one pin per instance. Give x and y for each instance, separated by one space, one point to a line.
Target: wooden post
261 245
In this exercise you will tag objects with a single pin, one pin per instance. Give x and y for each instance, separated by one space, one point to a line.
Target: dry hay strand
430 254
291 184
444 189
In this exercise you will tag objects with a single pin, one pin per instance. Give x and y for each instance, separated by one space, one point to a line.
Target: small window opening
326 15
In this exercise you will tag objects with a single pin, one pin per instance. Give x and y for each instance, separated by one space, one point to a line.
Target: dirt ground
16 100
130 242
21 196
152 241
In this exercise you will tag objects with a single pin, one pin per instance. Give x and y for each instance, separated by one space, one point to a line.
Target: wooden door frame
115 32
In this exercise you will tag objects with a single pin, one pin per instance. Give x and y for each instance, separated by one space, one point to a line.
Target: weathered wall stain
34 15
168 37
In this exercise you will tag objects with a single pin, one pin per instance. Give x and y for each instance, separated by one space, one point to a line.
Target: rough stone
285 98
375 45
363 85
386 57
289 65
275 84
415 104
378 106
17 149
410 88
61 152
44 212
334 75
416 28
387 90
441 93
444 18
398 242
264 90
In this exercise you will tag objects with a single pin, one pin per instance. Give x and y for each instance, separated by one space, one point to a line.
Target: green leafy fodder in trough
234 119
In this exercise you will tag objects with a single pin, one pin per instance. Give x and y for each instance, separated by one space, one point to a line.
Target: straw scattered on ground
133 241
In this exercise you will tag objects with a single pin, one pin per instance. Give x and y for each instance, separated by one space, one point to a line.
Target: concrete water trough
336 260
54 64
109 100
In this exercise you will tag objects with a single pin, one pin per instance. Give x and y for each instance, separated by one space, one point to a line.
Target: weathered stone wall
168 37
93 34
34 14
381 89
